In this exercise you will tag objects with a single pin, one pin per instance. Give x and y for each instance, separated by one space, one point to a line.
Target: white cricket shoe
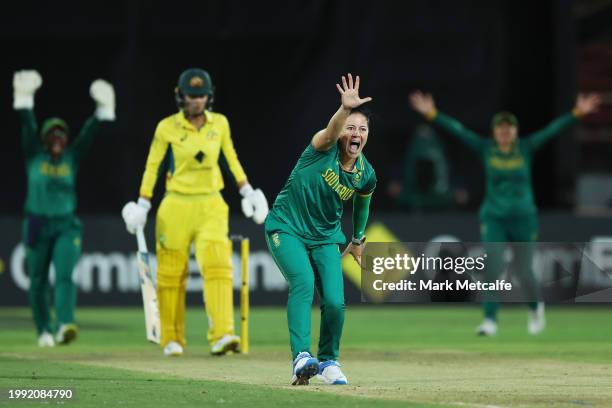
173 349
305 367
488 327
536 322
66 333
330 373
45 340
225 344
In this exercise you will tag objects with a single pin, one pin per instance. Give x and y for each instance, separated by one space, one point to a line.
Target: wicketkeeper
193 211
51 231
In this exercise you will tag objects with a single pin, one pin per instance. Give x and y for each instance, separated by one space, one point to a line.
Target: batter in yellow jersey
193 211
193 155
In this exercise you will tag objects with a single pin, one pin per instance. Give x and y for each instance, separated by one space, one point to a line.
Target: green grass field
408 356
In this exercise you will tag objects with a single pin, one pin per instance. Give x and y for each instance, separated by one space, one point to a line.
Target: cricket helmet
197 82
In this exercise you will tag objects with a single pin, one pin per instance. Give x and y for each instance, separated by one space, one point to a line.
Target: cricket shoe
305 367
536 322
488 327
66 333
45 340
330 373
173 349
225 344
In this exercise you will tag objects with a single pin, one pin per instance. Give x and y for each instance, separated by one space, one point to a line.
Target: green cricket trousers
57 241
496 231
306 267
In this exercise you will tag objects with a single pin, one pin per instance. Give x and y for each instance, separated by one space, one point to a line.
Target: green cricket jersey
310 204
52 183
508 175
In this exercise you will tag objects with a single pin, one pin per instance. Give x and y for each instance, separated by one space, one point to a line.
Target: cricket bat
148 289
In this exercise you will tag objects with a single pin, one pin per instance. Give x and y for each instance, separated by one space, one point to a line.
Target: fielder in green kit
51 231
508 212
303 231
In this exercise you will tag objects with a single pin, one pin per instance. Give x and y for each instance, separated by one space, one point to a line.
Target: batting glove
103 93
254 203
135 214
25 84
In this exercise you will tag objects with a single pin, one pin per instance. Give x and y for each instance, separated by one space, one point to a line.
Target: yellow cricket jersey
193 155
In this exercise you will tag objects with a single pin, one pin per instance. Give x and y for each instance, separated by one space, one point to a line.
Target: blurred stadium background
274 65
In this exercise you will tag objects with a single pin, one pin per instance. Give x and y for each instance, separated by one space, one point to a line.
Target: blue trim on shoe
328 363
300 356
307 371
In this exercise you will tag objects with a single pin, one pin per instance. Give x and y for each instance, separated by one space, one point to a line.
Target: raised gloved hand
135 214
25 84
254 203
103 93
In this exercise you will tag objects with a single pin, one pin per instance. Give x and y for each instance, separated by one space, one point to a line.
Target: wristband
143 202
357 241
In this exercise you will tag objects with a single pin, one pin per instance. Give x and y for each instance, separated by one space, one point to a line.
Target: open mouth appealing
354 145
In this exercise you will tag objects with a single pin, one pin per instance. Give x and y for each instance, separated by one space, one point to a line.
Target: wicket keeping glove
103 93
135 214
25 84
254 203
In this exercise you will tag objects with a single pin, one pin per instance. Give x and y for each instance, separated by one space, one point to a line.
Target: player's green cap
53 123
504 117
195 81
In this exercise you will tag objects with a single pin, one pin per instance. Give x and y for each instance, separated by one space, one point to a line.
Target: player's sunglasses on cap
504 117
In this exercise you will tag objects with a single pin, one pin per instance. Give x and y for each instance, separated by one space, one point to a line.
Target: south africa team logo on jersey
357 177
276 239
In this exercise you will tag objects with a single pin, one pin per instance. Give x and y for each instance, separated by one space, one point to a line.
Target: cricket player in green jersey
51 231
303 231
508 212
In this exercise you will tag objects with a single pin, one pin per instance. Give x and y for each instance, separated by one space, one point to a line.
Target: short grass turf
409 356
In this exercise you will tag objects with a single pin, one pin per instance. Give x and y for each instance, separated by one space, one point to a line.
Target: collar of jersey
356 168
180 117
